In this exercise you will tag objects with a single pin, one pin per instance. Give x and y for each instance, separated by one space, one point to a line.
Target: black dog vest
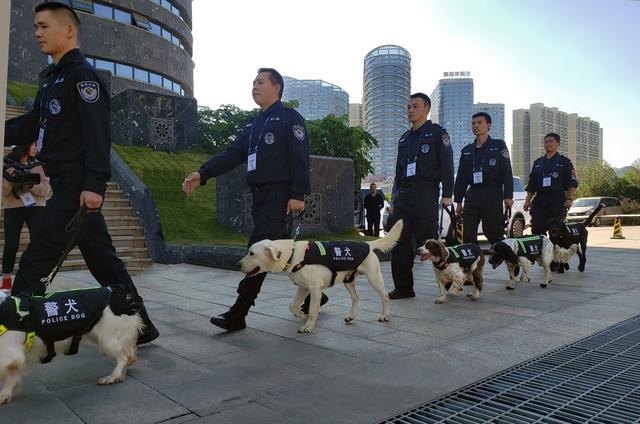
463 254
530 247
336 255
573 228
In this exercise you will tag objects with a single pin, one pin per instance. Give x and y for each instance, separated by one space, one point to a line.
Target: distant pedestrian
373 203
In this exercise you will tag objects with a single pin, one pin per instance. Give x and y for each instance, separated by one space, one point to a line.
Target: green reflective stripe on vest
28 342
321 248
452 250
3 329
521 241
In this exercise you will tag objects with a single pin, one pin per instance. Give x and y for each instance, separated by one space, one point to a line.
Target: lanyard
43 106
473 157
254 148
555 162
421 133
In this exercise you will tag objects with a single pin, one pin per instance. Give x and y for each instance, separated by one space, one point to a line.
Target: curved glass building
316 98
145 44
385 93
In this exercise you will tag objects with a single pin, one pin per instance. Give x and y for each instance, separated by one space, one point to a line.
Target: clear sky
581 56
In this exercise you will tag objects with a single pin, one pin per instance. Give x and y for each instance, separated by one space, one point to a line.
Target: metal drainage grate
594 380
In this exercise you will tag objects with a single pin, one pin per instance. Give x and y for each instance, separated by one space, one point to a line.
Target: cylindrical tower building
386 91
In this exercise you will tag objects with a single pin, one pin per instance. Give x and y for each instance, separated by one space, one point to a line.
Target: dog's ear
574 247
273 251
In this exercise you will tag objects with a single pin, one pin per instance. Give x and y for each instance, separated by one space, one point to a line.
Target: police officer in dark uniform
425 159
275 148
70 121
553 182
373 202
485 181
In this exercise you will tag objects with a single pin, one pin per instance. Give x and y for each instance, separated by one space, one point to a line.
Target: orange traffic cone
617 229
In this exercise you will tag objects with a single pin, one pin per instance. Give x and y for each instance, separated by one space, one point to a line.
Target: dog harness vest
336 255
530 246
573 228
10 320
67 314
464 254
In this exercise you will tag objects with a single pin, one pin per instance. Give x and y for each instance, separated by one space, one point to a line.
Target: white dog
519 253
115 335
453 266
314 266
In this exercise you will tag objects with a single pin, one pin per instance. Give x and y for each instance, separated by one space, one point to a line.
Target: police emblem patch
445 139
89 91
269 138
55 106
555 174
298 132
492 162
425 148
505 154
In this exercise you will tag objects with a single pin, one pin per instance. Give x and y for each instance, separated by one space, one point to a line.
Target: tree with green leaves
596 179
217 128
332 136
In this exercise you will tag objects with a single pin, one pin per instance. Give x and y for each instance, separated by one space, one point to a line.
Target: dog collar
441 265
288 264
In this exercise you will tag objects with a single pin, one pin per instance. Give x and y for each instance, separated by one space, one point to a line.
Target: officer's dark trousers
373 224
270 222
420 222
14 220
545 208
483 204
50 240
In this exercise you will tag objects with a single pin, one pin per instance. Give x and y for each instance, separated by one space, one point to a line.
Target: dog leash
506 217
73 226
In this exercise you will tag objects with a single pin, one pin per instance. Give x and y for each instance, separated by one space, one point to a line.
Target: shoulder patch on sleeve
89 91
505 153
445 139
298 132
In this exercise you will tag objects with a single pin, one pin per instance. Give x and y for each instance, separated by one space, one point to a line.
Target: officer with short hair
485 182
275 148
71 123
553 182
425 159
373 203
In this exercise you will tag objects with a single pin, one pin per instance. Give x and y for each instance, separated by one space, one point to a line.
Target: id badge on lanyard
477 177
40 139
251 162
411 169
27 199
546 181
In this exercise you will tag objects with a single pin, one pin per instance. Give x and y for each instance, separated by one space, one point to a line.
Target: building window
103 11
84 5
141 75
167 83
104 64
122 16
124 70
177 88
155 28
141 22
155 79
166 34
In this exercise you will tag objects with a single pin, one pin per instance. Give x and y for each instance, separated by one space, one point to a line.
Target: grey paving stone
193 346
369 350
251 412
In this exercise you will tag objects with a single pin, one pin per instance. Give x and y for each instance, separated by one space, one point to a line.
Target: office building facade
145 44
355 115
581 138
386 91
316 98
452 108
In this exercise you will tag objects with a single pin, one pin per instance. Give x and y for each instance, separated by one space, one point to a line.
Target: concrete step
119 241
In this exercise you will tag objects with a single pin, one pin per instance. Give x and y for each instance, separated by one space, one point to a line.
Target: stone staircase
124 227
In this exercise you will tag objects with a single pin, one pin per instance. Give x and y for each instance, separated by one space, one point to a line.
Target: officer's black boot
233 319
149 332
307 302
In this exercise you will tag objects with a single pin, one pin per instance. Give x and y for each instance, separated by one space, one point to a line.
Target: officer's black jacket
493 159
73 106
433 155
373 204
282 154
561 171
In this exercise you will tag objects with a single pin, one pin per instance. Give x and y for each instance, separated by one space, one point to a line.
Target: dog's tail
387 242
591 216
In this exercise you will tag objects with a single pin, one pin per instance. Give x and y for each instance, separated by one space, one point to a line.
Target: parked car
583 207
519 217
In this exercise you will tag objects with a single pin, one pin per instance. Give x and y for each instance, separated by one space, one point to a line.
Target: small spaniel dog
454 266
520 252
55 323
314 266
565 234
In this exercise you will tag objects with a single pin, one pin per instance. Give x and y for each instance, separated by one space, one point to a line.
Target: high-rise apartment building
145 44
496 112
316 98
452 108
581 139
386 91
355 114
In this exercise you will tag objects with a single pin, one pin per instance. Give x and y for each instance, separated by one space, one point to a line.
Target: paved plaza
360 372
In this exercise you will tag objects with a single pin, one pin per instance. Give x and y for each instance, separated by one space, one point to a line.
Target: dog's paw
109 379
510 286
383 318
440 300
5 398
349 318
473 296
544 285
